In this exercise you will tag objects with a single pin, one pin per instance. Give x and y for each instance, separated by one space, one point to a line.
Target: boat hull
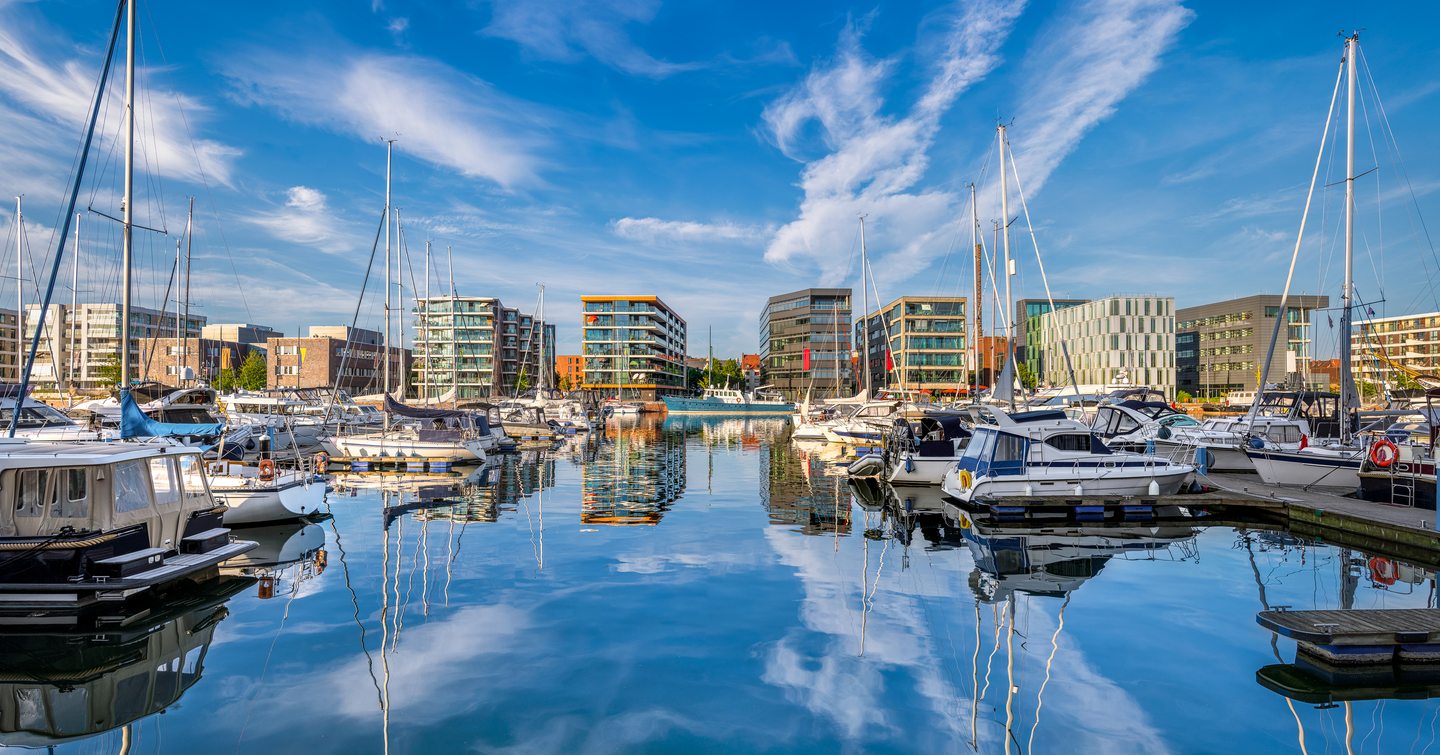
921 470
1312 471
266 504
679 405
1056 483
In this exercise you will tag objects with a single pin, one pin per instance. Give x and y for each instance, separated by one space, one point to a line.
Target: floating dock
1361 636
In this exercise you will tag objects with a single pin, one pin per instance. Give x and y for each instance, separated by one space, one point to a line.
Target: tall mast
74 292
864 311
450 252
184 327
160 328
1005 241
1347 379
128 205
425 327
540 361
976 305
19 288
385 349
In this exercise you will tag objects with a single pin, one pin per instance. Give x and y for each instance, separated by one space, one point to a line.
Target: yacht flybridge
87 522
1046 454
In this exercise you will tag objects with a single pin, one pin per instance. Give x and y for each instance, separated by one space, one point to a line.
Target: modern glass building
1233 336
634 347
816 320
1120 339
924 337
477 346
1027 330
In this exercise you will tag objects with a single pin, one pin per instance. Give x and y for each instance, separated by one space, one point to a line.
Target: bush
1183 397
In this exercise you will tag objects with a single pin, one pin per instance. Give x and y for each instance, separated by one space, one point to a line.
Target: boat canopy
136 424
416 412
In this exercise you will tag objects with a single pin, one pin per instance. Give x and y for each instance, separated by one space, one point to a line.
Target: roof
109 452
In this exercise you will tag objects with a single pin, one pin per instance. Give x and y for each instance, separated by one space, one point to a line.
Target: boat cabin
1010 442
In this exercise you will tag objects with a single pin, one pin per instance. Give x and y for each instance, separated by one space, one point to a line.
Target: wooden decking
1369 627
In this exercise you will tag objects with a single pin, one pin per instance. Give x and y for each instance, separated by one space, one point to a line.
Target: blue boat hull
677 405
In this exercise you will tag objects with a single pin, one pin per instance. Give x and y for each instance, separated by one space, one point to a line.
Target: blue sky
718 153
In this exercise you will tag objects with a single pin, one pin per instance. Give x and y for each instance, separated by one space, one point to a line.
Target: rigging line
1295 255
355 319
1394 145
1054 328
1379 217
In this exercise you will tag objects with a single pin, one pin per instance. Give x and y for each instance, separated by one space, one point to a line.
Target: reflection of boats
1312 681
1057 560
59 687
278 545
795 490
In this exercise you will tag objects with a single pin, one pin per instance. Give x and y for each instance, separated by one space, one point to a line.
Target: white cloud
1097 56
50 99
445 117
876 162
305 219
566 30
655 229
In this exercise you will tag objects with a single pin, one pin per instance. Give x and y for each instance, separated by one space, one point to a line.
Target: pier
1361 636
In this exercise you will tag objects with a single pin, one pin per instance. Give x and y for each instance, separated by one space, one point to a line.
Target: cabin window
162 475
1069 442
1009 448
34 492
191 480
132 486
73 500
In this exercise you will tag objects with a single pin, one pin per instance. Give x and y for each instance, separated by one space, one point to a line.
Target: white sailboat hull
379 445
263 503
1322 470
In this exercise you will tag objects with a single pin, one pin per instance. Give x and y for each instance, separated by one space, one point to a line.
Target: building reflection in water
796 491
747 433
637 472
61 685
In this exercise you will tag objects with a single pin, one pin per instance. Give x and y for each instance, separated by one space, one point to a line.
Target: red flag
806 360
889 361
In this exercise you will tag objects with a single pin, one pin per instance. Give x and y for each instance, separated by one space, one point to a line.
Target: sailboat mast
129 202
74 293
1347 379
425 327
184 328
1005 241
864 311
540 360
385 349
19 286
976 306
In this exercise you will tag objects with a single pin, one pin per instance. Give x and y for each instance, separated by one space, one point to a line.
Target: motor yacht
1046 454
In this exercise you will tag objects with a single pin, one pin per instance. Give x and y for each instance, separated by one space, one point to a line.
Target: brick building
169 361
336 355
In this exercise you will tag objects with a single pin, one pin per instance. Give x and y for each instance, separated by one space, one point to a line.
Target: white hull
1223 458
261 503
1329 472
1042 483
923 470
808 431
380 445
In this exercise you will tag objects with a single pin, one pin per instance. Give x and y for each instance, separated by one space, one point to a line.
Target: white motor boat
1331 467
1046 454
918 451
439 434
262 494
866 425
1138 425
40 421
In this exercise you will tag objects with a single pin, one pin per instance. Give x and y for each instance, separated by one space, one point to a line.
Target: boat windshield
36 415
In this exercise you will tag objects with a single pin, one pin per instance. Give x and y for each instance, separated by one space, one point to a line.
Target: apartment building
331 355
1232 337
83 345
805 342
1382 347
570 370
1027 330
10 347
1119 339
918 343
634 347
478 346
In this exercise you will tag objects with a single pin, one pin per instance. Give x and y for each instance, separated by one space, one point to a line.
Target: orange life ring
267 470
1383 453
1382 570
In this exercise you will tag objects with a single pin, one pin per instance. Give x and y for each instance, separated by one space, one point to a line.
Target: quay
1244 501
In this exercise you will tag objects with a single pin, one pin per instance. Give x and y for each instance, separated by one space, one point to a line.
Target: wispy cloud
40 93
875 162
567 30
655 229
306 219
446 117
1093 58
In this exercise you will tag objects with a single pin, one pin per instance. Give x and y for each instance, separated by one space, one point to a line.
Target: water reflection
748 433
637 473
795 490
286 557
59 686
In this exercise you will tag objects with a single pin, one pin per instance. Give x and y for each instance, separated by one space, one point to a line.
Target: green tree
522 383
224 382
564 385
253 373
1026 376
1404 382
1183 397
108 373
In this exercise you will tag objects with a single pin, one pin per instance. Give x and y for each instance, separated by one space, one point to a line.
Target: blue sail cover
136 424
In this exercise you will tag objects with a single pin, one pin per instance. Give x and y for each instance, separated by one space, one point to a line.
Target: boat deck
1369 627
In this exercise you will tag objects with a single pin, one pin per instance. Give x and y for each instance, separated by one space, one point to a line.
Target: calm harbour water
705 586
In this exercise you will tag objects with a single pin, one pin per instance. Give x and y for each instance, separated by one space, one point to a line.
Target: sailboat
1331 465
436 434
